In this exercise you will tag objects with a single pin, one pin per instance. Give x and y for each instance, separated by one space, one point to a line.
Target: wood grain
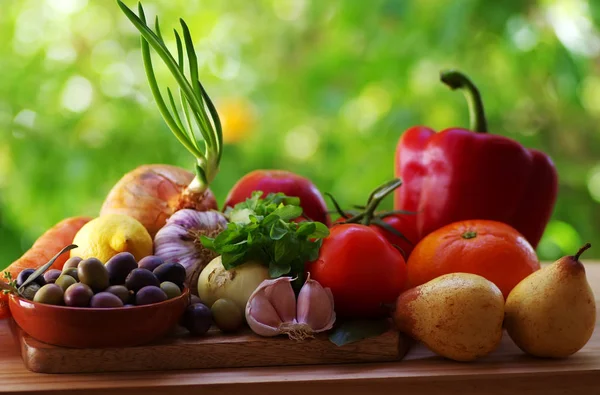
180 351
505 371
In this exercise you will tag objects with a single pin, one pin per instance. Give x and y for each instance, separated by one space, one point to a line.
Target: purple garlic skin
272 309
179 241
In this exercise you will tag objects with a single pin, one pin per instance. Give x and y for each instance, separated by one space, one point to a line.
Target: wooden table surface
506 371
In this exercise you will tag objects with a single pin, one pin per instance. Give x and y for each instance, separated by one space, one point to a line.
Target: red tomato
291 184
397 222
362 269
400 224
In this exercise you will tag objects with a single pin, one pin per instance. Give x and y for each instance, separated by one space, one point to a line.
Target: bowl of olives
91 304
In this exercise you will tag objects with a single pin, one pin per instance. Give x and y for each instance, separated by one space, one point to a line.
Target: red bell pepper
461 174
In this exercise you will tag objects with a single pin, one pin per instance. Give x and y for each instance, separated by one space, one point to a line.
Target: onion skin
152 193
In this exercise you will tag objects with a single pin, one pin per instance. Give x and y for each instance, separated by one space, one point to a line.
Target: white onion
179 240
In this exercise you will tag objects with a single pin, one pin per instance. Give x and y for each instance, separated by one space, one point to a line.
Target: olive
65 281
51 275
150 294
227 315
30 290
121 291
106 300
72 262
197 319
194 299
71 271
171 271
150 262
171 289
49 294
119 266
24 275
78 295
93 273
140 278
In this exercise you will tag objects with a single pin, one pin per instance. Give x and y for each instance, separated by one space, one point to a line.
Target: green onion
198 110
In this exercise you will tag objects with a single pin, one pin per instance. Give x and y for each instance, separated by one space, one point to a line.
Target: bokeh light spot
559 238
67 7
77 94
302 142
289 10
363 111
593 183
25 118
117 80
589 94
61 52
522 34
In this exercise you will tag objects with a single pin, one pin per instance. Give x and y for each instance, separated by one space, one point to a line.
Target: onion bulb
179 240
236 284
152 193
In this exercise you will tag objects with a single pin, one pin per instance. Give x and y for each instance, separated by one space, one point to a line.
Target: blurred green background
321 88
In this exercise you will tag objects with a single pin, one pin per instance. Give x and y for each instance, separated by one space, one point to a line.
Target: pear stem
581 250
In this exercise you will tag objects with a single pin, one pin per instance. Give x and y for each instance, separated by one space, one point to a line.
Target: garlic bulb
273 309
179 240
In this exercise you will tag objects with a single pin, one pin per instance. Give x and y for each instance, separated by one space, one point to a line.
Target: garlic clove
281 295
315 306
261 313
261 316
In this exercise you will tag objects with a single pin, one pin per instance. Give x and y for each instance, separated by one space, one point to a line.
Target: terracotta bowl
79 327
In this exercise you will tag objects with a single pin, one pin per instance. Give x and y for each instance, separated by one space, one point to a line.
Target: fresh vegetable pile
451 265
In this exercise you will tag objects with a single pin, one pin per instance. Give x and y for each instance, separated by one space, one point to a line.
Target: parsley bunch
263 230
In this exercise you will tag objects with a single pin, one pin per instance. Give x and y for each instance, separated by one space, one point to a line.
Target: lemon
107 235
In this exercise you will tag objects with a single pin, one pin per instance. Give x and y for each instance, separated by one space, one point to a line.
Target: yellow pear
552 312
458 315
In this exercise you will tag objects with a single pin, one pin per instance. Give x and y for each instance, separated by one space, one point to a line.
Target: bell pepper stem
457 80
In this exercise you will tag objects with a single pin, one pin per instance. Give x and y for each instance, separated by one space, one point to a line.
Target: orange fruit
491 249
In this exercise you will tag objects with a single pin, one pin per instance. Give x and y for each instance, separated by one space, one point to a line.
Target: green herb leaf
289 212
278 230
264 230
207 242
353 331
280 250
307 229
230 261
320 231
45 267
279 270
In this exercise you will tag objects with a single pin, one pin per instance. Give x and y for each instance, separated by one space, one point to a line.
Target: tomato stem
368 216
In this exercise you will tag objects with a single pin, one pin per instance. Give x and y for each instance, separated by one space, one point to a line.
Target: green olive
71 271
65 281
93 273
72 262
50 294
226 315
171 289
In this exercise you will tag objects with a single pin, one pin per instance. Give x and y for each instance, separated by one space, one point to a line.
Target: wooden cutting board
215 350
